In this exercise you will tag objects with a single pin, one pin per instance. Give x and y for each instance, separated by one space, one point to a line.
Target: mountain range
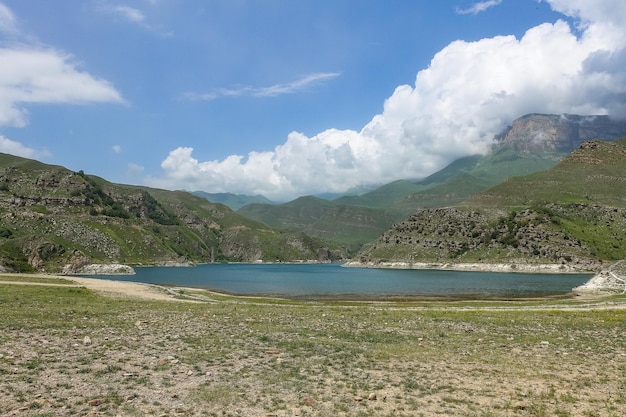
532 143
531 198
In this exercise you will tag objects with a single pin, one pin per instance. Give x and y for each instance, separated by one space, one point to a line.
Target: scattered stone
309 401
86 340
96 402
272 352
372 396
358 399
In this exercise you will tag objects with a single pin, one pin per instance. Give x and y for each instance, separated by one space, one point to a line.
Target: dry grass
69 351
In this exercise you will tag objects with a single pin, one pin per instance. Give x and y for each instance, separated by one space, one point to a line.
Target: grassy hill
593 174
54 219
573 214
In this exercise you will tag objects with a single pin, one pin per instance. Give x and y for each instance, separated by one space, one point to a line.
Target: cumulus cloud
45 76
476 8
469 92
32 74
274 90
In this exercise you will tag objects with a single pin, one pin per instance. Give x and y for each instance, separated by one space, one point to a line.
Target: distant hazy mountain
234 201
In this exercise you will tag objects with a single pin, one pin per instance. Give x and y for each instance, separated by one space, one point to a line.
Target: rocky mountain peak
537 133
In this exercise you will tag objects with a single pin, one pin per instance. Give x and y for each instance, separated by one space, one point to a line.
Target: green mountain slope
595 173
54 219
348 225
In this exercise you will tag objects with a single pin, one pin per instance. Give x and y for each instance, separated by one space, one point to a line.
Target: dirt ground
240 359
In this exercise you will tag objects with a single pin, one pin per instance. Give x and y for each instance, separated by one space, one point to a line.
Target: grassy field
70 351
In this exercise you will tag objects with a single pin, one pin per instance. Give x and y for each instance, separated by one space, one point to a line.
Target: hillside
573 214
55 220
348 225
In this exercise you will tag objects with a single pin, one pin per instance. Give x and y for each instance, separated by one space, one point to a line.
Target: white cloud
481 6
15 148
134 16
129 13
469 92
271 91
45 76
117 148
7 20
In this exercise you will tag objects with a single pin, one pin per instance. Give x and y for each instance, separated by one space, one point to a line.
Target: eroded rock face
462 235
105 269
559 133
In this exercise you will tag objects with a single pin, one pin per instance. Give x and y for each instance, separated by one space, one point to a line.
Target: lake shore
511 267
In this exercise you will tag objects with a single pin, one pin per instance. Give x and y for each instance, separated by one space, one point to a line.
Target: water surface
332 280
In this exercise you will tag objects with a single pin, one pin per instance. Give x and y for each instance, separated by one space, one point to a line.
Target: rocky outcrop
540 133
103 269
609 280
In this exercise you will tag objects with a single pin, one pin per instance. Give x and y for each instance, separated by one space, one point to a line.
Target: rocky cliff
541 133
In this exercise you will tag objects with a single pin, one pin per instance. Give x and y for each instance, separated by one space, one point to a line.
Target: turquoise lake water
334 281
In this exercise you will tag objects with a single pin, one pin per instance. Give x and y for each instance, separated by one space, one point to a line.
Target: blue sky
293 97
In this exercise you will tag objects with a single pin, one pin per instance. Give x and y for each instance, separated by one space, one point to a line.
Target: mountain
573 214
532 143
544 133
234 201
53 219
347 225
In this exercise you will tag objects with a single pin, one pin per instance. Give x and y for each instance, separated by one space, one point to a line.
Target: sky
286 98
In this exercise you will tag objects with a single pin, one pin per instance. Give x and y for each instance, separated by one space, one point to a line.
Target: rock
86 340
309 401
104 269
96 402
372 396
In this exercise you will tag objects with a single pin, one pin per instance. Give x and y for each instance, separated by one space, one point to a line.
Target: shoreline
511 267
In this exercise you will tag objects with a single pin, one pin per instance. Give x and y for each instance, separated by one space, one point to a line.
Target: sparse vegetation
69 351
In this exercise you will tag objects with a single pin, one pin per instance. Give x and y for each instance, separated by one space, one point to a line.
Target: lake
334 281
